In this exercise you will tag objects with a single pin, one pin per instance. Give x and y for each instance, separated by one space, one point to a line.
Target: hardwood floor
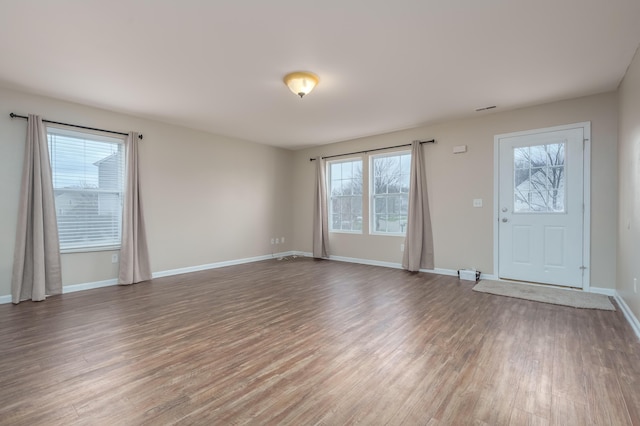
313 342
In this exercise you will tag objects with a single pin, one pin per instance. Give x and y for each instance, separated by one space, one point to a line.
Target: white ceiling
383 65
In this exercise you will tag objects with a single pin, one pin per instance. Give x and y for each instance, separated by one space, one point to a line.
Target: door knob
505 220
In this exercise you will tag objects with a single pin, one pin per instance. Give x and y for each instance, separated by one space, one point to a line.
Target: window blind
88 182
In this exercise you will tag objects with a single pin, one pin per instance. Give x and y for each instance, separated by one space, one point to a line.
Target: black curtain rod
12 115
372 150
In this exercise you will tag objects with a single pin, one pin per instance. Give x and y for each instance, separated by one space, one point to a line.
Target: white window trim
371 195
344 231
328 185
96 135
90 249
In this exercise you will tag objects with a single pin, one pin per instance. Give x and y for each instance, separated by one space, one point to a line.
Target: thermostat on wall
459 149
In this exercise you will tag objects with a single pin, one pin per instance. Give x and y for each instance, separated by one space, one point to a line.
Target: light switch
477 202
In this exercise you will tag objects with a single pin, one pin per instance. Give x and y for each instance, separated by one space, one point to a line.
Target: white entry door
541 206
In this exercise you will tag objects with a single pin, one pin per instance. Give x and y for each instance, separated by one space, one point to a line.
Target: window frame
372 195
330 197
95 136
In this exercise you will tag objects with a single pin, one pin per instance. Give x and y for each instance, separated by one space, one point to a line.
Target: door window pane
539 179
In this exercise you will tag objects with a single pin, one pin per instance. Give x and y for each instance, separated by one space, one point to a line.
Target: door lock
505 220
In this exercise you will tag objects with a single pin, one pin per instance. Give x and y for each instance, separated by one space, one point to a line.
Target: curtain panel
320 219
418 246
134 253
36 264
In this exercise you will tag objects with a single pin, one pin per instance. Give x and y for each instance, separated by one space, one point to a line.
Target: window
88 182
345 195
390 193
539 179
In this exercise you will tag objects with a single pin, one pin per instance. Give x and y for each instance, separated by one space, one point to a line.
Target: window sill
389 234
346 232
89 249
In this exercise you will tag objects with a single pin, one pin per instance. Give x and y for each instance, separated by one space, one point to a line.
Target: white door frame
586 178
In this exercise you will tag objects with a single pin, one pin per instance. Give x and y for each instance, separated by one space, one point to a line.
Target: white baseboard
440 271
393 265
222 264
493 277
302 253
98 284
73 288
366 262
606 291
628 314
88 286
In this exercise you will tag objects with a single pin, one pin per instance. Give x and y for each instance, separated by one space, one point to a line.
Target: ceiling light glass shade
300 82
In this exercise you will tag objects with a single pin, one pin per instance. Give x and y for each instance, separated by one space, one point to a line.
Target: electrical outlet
273 240
114 258
477 202
401 247
277 240
282 240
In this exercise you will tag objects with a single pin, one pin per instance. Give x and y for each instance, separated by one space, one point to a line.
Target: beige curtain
320 220
134 254
36 263
418 246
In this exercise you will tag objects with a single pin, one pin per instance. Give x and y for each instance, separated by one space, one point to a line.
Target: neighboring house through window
88 184
539 179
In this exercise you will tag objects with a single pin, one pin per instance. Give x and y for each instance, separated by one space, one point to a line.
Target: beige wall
208 198
463 235
629 187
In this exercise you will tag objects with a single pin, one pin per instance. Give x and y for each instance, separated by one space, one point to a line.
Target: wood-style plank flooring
307 342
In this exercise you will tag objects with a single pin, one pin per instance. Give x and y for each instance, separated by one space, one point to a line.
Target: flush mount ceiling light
301 82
